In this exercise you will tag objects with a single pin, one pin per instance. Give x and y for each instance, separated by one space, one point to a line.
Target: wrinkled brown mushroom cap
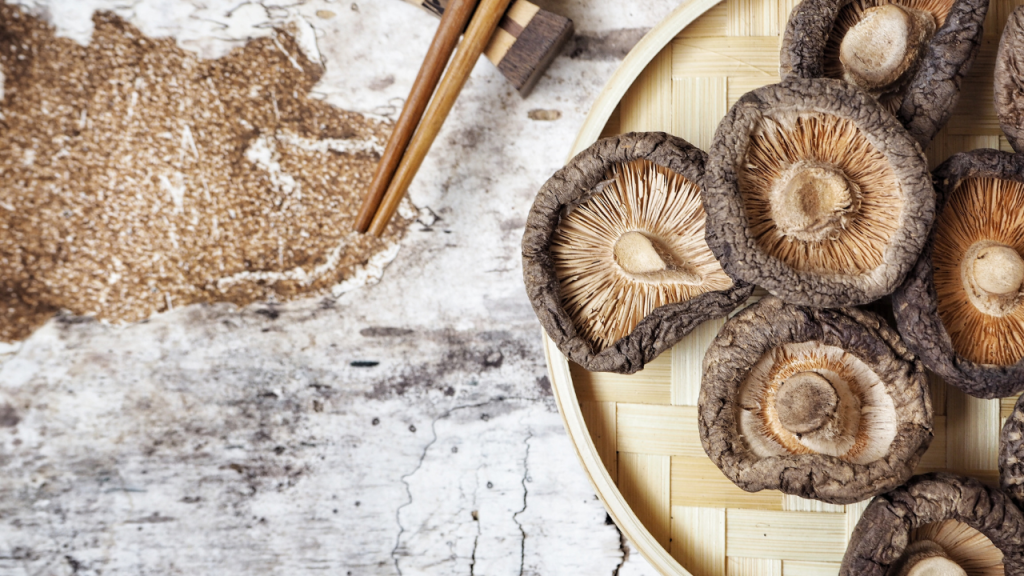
874 185
916 305
565 192
885 529
1011 454
766 343
924 99
1009 80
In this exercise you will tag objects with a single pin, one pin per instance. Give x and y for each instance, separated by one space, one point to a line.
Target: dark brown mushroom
962 307
1011 454
938 524
614 256
1009 80
816 194
912 55
821 403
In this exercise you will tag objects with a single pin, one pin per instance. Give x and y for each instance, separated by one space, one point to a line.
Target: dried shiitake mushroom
1009 80
938 524
911 55
614 256
1011 454
816 194
962 307
821 403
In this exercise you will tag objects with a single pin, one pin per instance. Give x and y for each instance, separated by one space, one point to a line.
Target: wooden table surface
401 424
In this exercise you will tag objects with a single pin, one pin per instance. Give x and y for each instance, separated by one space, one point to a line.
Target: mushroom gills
809 397
637 243
884 45
979 271
948 548
818 195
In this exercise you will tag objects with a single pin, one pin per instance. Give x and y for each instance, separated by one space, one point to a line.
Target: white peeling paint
369 274
323 145
263 153
305 36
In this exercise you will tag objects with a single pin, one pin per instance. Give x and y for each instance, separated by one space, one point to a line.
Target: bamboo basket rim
620 511
633 64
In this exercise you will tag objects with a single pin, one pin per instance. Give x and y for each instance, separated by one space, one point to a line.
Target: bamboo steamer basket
636 435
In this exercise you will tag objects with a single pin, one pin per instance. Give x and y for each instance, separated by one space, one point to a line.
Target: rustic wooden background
402 424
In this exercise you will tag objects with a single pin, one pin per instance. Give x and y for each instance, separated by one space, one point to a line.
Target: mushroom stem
926 558
637 254
884 45
999 270
812 201
806 402
992 274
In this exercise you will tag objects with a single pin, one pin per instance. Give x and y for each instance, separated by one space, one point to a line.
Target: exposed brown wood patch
135 176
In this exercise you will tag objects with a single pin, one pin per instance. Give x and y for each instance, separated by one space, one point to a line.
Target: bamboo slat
687 359
785 535
935 457
1006 406
853 514
696 481
697 105
797 568
753 567
644 481
751 56
647 105
652 385
663 430
972 432
600 418
698 539
637 435
792 503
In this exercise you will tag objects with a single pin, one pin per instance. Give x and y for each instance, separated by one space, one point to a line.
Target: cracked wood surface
402 425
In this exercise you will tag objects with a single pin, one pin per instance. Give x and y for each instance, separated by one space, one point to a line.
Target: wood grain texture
448 32
478 34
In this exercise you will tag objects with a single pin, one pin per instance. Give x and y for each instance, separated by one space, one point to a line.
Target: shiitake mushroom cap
884 532
1009 80
982 355
568 191
929 91
1011 454
874 198
882 390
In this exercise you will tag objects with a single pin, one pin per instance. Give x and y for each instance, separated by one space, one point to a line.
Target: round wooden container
637 435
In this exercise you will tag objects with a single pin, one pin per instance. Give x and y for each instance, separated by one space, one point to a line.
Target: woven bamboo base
637 435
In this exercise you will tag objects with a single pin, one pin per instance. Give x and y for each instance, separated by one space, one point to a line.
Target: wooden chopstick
479 33
453 22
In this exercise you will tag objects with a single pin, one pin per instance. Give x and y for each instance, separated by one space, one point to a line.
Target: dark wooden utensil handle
452 24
